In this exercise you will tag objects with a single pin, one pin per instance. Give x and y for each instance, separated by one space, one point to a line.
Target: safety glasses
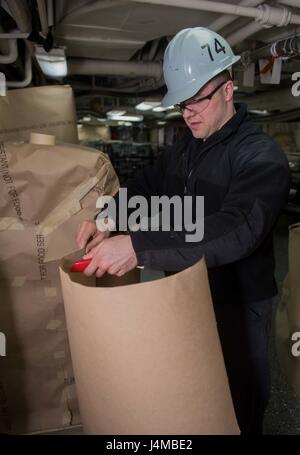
202 103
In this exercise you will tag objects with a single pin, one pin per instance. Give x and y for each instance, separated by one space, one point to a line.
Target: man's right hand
88 236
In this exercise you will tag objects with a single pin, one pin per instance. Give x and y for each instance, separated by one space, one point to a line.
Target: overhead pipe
11 37
12 55
21 14
14 35
293 3
50 11
28 74
114 68
141 90
223 21
282 34
282 48
244 33
20 11
10 51
264 14
43 16
153 49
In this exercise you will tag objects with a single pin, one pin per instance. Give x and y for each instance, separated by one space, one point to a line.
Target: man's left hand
114 255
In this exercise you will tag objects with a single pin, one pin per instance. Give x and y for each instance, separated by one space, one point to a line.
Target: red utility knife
80 265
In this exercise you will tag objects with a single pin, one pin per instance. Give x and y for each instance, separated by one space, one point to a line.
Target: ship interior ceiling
111 53
114 50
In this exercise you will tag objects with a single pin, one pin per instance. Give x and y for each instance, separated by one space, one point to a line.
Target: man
244 178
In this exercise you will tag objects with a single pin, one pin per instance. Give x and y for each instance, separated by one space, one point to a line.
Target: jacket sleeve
257 193
147 183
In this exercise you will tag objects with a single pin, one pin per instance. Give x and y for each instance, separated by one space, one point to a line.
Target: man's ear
229 90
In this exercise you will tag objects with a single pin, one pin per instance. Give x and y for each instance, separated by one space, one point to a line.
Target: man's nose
187 112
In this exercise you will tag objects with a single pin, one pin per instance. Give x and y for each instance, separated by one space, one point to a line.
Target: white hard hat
192 58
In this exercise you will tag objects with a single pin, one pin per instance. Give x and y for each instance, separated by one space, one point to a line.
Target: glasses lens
194 105
201 105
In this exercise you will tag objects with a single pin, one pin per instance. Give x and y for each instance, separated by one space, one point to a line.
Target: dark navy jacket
244 178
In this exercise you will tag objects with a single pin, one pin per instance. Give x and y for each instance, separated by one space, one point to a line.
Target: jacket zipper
188 173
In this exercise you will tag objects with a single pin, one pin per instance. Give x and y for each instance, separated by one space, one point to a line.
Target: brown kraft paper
147 357
45 192
45 109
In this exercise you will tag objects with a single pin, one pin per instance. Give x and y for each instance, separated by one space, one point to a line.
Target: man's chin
197 134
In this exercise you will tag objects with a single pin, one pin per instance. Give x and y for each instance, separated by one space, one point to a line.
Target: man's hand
87 230
115 256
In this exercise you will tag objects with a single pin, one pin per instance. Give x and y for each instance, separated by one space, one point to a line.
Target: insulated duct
114 68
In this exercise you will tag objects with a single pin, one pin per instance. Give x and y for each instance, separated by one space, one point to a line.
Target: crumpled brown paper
45 191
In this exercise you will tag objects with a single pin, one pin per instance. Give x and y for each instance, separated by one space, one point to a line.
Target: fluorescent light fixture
52 63
124 123
86 119
147 105
115 112
174 114
159 109
128 118
259 112
161 123
235 88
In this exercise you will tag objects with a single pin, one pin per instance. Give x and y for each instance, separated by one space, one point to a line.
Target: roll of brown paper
49 109
147 356
42 139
